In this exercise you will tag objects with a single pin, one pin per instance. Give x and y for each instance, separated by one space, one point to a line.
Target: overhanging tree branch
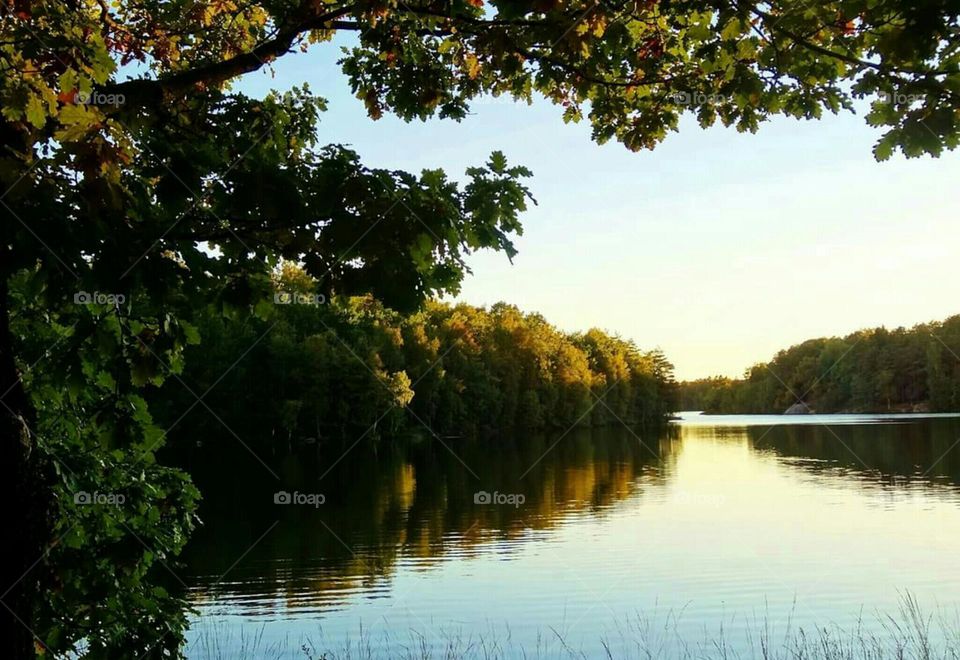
142 92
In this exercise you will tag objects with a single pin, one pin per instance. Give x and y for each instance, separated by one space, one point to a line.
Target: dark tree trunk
24 500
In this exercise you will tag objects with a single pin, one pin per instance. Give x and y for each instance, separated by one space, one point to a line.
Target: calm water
720 523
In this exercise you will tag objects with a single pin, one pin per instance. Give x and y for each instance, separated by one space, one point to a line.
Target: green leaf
35 111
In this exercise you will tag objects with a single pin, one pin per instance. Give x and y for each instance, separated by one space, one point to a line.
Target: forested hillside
335 370
877 370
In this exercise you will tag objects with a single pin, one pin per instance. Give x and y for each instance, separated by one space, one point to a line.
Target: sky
718 247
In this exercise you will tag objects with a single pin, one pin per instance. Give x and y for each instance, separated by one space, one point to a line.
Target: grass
909 634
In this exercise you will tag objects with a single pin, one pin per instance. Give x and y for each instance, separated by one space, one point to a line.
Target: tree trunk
26 500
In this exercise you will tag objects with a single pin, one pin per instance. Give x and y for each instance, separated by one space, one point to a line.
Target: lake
717 532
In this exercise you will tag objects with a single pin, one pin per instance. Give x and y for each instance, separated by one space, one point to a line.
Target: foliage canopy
876 370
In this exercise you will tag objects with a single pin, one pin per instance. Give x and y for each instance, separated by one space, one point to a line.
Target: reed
907 634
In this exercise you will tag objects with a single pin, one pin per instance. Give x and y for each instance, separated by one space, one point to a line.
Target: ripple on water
737 523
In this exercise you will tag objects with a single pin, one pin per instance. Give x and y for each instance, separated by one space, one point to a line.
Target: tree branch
850 59
142 92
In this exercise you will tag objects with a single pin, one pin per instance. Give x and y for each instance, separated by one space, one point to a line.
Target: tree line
340 369
876 370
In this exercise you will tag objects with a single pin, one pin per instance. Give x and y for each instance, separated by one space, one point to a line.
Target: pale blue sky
718 247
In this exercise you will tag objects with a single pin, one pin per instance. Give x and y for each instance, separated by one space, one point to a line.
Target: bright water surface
718 527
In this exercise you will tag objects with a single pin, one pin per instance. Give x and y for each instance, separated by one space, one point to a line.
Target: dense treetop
876 370
348 368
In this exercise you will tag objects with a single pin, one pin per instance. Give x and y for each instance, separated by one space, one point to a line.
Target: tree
112 184
867 371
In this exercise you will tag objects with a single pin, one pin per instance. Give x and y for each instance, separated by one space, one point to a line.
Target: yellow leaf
473 66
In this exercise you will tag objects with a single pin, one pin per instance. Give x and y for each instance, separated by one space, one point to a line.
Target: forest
338 369
876 370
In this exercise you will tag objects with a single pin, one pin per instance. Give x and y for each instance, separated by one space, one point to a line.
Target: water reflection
720 514
873 453
415 500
